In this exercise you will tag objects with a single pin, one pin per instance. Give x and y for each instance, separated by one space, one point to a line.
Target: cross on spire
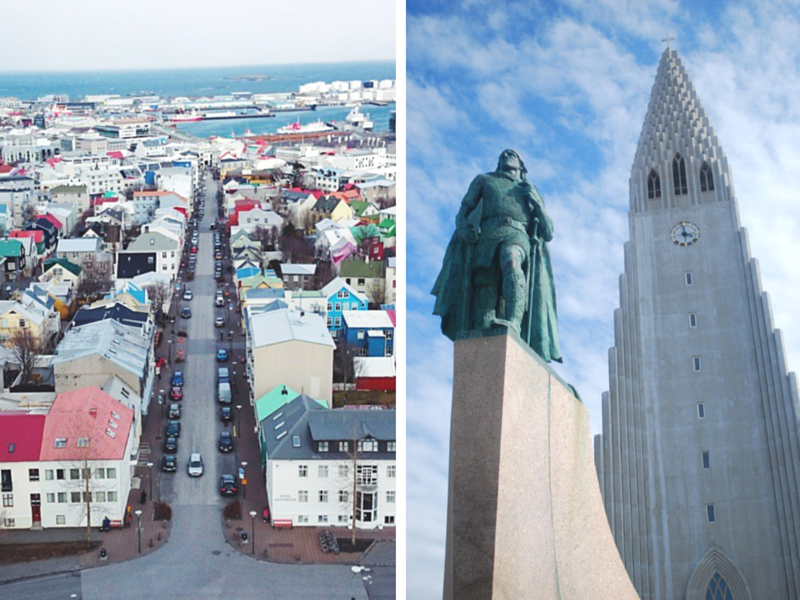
668 39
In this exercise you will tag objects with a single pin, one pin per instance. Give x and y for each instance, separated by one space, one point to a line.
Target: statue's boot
515 294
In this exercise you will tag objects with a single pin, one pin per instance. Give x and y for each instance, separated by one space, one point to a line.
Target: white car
195 465
187 295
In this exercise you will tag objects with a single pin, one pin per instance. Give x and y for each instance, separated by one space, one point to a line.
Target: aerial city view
198 288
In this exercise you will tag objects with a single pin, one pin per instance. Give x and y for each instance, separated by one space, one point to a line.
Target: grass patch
162 512
346 544
233 510
17 553
352 397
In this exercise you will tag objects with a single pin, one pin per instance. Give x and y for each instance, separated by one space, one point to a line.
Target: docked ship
298 128
185 117
354 121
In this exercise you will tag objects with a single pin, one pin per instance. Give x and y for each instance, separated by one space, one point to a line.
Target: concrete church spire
699 460
676 124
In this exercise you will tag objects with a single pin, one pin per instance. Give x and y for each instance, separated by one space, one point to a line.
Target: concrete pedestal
525 517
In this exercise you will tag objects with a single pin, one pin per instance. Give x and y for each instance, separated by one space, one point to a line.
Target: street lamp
244 480
169 356
238 420
150 477
253 530
138 514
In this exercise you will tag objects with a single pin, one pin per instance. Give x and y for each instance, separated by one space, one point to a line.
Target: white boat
297 127
358 119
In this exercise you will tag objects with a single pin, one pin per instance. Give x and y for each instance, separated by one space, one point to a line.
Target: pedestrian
143 497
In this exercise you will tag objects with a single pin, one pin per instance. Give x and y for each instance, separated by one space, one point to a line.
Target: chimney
93 412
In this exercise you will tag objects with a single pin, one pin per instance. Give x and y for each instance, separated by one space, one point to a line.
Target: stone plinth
525 516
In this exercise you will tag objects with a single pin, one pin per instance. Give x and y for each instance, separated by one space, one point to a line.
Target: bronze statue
497 269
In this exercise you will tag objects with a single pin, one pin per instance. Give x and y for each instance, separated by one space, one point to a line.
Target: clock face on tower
685 233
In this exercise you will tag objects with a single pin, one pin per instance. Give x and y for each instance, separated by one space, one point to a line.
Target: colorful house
341 297
371 331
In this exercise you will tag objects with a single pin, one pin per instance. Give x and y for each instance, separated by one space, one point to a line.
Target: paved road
196 562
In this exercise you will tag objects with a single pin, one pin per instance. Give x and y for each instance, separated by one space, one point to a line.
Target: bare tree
159 295
267 236
343 369
95 279
375 291
26 350
294 246
323 274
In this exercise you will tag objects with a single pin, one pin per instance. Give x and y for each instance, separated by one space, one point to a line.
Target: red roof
6 168
53 220
393 316
316 193
87 413
23 431
53 161
116 154
37 235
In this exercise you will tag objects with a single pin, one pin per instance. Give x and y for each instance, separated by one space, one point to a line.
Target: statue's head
511 164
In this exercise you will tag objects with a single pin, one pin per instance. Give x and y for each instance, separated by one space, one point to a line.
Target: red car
177 393
194 250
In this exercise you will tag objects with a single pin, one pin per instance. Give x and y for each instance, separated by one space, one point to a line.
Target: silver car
195 465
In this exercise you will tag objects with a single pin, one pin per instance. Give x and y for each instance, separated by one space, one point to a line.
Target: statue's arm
468 204
545 227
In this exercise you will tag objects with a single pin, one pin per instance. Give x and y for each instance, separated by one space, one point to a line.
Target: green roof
358 267
10 248
388 227
276 399
359 206
68 189
69 266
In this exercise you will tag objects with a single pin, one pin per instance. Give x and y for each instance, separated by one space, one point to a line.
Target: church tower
699 459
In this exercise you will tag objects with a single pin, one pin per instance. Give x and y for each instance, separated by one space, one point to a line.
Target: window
100 473
51 498
342 294
368 445
696 362
323 495
322 519
689 278
718 588
48 475
337 322
302 496
75 497
342 519
712 517
295 441
344 471
706 180
390 497
100 496
83 442
344 447
60 443
33 474
692 320
389 520
302 470
8 500
302 518
391 446
338 307
653 185
344 496
706 460
391 471
388 333
360 334
367 475
329 307
74 474
111 473
6 484
362 281
701 410
7 522
323 470
87 496
62 497
679 175
60 474
322 447
61 520
111 497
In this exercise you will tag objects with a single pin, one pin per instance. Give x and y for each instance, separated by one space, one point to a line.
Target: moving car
177 393
227 485
225 443
219 322
174 411
222 355
187 295
171 445
174 429
177 378
195 465
225 414
169 463
219 300
186 313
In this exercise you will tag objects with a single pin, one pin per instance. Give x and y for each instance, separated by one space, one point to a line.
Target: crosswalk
144 454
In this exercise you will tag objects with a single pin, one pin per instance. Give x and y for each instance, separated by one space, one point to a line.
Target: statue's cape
451 286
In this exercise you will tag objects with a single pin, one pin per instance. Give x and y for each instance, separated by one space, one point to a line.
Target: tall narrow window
712 517
706 460
701 410
706 180
679 175
692 320
653 185
718 589
688 278
696 362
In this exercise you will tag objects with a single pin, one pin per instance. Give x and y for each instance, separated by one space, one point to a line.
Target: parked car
186 312
225 443
218 255
177 378
174 429
169 463
219 322
219 300
223 375
222 355
187 295
171 445
195 465
194 250
177 393
218 276
174 411
227 485
225 414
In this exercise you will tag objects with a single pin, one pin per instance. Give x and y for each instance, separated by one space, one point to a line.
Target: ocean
208 82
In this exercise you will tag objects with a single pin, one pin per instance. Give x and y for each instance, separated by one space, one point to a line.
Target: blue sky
567 85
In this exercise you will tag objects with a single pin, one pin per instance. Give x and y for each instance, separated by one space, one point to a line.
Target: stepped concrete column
525 516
